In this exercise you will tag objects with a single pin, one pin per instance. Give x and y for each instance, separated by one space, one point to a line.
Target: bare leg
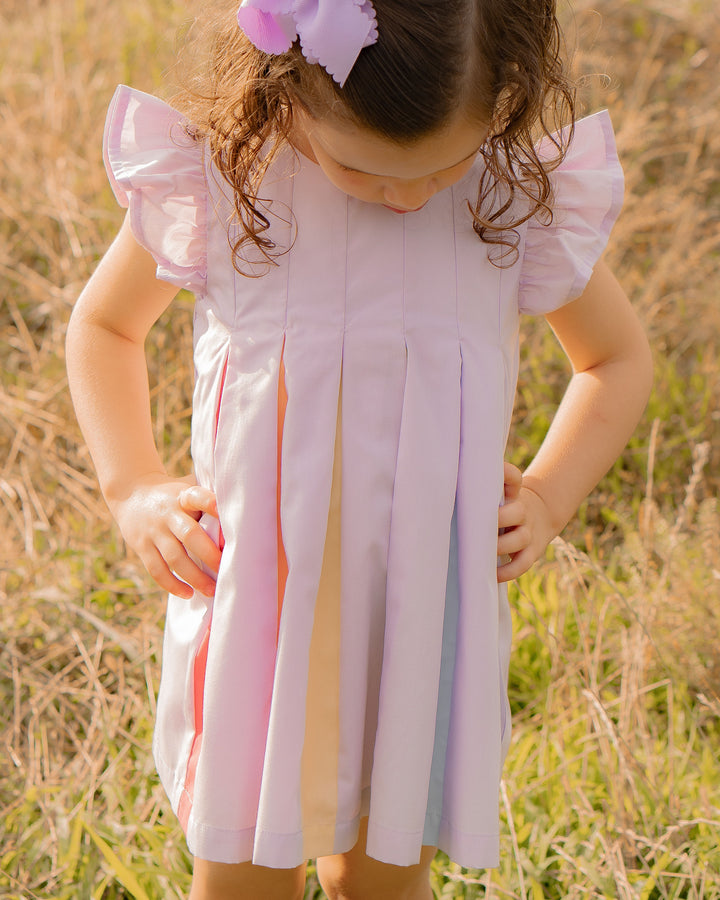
245 881
356 876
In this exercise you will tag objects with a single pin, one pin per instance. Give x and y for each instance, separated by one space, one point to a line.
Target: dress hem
284 851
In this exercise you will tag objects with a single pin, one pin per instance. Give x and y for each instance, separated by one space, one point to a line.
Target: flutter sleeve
558 258
157 171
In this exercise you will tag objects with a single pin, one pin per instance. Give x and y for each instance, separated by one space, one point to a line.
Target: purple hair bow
331 32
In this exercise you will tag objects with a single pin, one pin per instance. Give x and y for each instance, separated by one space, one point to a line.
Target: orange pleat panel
199 667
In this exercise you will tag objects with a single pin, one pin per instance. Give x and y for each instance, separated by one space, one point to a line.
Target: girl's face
371 168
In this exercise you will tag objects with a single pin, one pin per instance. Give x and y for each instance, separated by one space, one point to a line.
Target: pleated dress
351 410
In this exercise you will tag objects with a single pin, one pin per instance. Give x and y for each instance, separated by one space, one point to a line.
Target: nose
410 194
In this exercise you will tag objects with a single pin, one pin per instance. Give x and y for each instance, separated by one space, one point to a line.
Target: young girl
359 205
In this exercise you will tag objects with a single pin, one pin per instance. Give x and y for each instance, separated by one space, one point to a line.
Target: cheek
359 186
452 176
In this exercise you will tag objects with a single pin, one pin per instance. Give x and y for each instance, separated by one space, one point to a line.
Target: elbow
71 335
77 336
637 367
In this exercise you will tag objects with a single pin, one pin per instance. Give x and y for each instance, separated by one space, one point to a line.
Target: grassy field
612 786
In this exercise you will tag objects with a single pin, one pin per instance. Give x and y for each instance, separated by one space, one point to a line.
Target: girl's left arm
610 385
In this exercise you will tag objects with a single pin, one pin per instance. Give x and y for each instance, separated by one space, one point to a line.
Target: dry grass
612 785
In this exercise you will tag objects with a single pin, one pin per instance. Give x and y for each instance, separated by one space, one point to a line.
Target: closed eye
456 165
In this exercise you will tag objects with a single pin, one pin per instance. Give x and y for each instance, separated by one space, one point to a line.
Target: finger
183 567
513 541
512 514
512 476
518 564
196 541
198 499
163 576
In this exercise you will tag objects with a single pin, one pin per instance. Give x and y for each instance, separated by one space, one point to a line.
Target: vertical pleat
374 365
474 752
305 501
239 675
200 661
473 761
312 365
422 507
242 647
417 571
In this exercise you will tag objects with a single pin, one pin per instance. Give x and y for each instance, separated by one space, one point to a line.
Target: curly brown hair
494 61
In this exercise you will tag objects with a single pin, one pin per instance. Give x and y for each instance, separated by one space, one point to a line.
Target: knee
245 892
341 880
332 875
244 881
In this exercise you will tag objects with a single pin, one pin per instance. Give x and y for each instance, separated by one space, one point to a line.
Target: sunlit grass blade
120 870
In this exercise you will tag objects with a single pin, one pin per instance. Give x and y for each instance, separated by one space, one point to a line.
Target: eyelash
355 171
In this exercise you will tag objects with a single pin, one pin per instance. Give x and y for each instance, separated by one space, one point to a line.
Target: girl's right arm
158 515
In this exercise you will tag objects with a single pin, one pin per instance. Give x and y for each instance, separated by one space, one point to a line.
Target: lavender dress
351 411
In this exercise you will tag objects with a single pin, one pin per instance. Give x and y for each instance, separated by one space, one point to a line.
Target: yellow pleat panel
322 715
